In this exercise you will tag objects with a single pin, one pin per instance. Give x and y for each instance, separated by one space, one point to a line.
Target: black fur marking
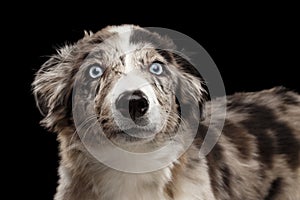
214 160
188 67
226 177
165 54
161 85
286 96
178 108
122 59
201 133
142 36
262 122
287 144
290 100
266 144
238 138
274 189
103 121
97 89
92 55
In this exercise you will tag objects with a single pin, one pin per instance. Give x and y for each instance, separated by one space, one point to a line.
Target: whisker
72 145
87 131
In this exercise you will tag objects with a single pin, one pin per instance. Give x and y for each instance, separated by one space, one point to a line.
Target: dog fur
257 156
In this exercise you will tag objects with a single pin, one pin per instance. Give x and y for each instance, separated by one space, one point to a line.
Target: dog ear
52 89
191 88
52 86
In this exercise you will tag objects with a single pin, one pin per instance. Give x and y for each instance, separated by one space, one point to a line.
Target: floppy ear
191 88
52 88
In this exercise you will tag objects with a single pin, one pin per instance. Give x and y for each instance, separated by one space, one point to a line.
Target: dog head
129 81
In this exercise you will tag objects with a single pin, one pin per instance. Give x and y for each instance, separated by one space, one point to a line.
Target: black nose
132 104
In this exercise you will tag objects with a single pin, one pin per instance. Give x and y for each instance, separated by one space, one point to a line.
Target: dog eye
95 71
156 68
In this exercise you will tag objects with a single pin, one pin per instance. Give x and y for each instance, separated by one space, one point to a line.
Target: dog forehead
127 46
122 38
123 46
129 38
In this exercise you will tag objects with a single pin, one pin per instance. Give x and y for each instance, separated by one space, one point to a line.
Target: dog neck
84 179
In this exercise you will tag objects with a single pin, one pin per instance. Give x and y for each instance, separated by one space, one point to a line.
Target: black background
254 49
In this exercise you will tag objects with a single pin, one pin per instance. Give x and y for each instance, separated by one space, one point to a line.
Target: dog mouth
132 135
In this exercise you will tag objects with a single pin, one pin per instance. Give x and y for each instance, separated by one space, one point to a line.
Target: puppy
132 118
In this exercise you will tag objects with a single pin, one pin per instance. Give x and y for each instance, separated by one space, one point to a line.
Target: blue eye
95 71
156 68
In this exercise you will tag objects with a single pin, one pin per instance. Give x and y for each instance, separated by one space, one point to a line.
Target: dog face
130 82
